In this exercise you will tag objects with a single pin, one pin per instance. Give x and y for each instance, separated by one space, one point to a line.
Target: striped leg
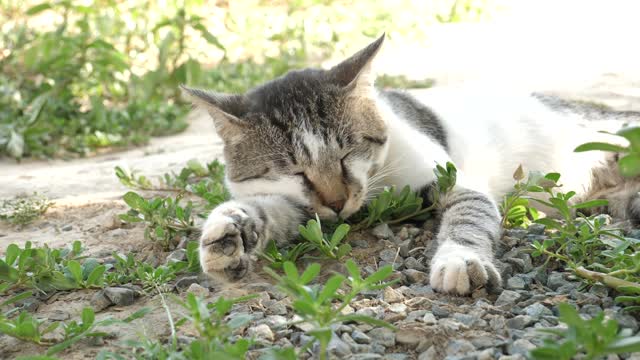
240 228
469 229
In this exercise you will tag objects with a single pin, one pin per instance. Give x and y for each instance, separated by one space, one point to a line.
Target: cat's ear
226 110
356 72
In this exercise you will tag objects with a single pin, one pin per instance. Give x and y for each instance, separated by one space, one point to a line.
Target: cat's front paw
459 270
228 236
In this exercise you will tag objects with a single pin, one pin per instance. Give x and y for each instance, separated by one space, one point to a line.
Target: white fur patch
285 185
455 268
314 143
218 225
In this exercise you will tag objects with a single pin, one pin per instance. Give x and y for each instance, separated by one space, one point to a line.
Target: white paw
459 270
225 234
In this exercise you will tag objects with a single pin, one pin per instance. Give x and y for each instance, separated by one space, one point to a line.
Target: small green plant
516 206
164 217
47 270
574 242
585 245
88 327
129 270
330 248
585 339
24 210
393 207
132 180
205 181
213 334
277 257
321 305
166 220
26 327
629 163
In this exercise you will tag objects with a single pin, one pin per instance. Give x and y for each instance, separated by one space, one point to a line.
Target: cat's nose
336 206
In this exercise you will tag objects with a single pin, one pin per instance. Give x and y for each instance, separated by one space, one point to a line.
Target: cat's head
315 135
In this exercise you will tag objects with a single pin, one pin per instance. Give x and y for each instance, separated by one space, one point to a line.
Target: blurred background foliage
79 77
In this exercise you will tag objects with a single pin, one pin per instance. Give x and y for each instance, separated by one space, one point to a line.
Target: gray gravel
430 325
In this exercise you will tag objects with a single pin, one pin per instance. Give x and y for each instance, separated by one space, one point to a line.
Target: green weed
277 257
516 207
629 163
393 207
45 270
165 218
26 327
330 248
127 269
585 339
213 334
321 305
24 210
584 244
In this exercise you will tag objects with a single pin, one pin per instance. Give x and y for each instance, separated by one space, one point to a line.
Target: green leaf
64 345
16 298
76 270
339 234
590 204
309 274
290 270
632 134
353 270
208 36
379 275
591 146
134 200
630 165
12 253
129 218
330 287
38 8
343 250
303 307
550 223
96 276
553 177
88 317
36 107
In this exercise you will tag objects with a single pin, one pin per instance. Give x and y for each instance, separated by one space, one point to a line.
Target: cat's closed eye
375 140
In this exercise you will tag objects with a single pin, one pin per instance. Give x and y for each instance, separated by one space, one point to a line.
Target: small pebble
262 332
383 336
198 290
391 295
508 297
382 231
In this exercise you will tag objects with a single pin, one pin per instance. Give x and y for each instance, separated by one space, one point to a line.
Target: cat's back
490 131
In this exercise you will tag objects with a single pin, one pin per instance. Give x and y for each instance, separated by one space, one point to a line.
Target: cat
324 141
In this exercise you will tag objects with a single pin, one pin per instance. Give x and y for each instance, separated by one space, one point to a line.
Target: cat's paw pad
462 271
225 236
